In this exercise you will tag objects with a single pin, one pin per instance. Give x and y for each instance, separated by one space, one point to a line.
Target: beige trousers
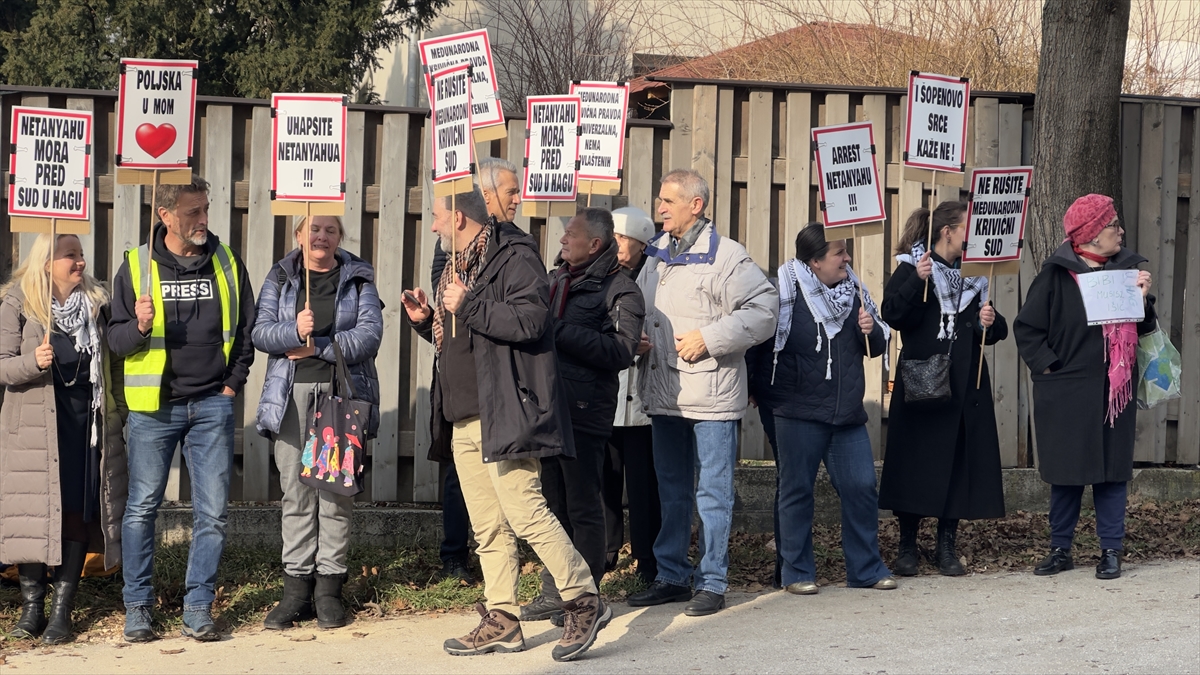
504 501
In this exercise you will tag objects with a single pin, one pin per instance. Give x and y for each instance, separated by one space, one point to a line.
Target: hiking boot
457 569
327 597
660 593
1109 566
947 560
32 577
907 556
198 625
1059 560
540 609
295 605
582 620
66 582
138 626
498 631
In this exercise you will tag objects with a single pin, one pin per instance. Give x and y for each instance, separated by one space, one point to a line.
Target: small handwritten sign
1111 296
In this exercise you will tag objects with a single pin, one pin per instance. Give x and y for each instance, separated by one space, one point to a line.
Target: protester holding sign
1084 379
943 452
815 397
60 431
343 307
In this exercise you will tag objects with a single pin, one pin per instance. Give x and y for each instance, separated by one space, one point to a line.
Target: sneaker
540 609
198 625
457 569
582 620
498 631
138 626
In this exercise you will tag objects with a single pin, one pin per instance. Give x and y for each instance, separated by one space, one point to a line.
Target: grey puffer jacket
357 327
30 496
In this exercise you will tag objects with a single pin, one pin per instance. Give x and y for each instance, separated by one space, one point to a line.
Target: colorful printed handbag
333 453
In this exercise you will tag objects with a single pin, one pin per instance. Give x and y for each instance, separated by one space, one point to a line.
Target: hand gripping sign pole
453 147
156 119
848 180
551 156
935 131
50 175
995 237
308 162
603 115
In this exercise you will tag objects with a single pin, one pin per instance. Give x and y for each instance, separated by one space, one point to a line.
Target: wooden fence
740 136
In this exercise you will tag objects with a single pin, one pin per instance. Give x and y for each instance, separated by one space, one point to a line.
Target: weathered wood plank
1005 364
353 219
725 173
799 156
1189 404
258 257
88 241
1131 162
426 474
704 132
389 280
1164 277
639 169
516 154
1149 244
218 168
681 135
870 255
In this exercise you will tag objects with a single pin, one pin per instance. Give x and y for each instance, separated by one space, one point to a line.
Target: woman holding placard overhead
310 315
1084 381
943 453
63 472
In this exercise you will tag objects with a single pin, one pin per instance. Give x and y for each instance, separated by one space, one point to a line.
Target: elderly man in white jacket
711 302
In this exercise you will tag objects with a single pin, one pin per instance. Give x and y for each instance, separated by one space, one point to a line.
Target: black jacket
195 354
523 410
1075 444
941 460
596 339
800 390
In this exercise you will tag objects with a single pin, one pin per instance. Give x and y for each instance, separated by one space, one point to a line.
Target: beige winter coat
729 299
30 501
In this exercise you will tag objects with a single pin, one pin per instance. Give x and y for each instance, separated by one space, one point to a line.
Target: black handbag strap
340 382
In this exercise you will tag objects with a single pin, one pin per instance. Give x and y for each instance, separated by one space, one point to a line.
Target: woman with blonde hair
63 473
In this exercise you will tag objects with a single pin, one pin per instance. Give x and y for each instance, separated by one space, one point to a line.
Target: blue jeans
679 445
204 426
846 451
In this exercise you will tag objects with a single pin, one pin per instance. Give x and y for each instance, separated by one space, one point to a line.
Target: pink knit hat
1087 217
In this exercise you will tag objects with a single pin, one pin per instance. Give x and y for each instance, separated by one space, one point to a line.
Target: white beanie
633 223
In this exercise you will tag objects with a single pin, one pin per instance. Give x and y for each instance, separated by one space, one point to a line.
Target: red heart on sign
155 139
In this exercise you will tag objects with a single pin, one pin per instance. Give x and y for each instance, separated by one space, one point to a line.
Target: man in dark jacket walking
498 405
182 313
598 316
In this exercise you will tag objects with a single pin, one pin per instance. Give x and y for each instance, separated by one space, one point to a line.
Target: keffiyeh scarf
77 319
467 264
948 284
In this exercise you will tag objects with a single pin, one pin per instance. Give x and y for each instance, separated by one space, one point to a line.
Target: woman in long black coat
1078 375
942 459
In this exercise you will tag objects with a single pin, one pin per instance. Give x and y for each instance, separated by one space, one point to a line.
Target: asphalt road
1146 622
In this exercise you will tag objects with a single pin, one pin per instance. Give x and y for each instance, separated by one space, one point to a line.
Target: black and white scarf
829 307
77 318
948 284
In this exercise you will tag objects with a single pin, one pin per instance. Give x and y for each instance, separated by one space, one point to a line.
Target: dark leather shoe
457 569
542 608
660 593
1059 560
1109 566
704 603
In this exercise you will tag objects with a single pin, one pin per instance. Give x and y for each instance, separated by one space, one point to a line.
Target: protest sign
851 192
1111 296
935 135
605 109
453 148
551 148
996 219
474 48
308 148
49 168
156 114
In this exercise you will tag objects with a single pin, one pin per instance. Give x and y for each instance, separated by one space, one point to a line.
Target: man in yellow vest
182 312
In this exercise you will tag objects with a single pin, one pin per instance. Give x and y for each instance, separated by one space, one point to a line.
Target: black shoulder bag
928 380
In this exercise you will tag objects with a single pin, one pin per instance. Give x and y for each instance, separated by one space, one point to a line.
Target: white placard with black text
935 136
49 169
156 114
308 143
850 190
996 214
453 147
1111 296
605 108
474 48
551 148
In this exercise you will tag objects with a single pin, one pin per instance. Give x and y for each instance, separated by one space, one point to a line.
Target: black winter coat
942 460
800 390
596 339
1075 444
523 409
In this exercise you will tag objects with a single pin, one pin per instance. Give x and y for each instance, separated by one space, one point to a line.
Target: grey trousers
316 523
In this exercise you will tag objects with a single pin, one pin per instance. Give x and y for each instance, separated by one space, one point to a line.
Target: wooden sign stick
153 206
983 340
453 271
589 194
929 237
306 249
862 296
50 278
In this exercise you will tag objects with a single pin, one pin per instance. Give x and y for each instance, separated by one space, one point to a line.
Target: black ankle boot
66 582
327 596
33 601
907 556
295 605
947 559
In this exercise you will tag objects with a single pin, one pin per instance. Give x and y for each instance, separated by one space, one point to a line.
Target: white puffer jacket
717 288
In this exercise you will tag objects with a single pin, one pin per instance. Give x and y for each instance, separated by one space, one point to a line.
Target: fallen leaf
303 638
360 635
171 651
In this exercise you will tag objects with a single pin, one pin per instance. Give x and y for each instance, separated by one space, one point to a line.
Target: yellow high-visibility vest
144 369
